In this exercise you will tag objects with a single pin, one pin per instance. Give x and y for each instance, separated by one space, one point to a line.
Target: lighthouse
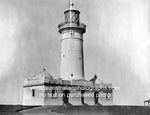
72 88
72 59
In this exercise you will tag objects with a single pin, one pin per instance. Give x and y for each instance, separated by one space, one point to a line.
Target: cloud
8 29
119 42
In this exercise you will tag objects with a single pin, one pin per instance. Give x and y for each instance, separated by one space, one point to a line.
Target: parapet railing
81 25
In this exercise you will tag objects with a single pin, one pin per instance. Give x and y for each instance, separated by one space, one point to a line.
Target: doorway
66 96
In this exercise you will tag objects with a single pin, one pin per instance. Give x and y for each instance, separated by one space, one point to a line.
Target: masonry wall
39 96
30 99
53 97
75 98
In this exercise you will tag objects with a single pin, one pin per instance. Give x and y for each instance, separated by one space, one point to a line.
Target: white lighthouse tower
72 30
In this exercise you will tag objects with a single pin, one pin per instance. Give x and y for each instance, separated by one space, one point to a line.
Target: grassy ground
13 109
73 110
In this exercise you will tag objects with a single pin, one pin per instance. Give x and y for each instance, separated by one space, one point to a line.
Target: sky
116 44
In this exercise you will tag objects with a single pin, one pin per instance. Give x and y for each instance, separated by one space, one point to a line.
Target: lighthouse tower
72 30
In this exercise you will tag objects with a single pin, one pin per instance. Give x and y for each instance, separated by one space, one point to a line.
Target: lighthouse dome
44 74
41 77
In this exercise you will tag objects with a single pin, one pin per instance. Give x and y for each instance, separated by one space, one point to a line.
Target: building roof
41 77
43 74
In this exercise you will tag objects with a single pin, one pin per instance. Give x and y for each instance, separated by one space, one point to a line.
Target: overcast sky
116 44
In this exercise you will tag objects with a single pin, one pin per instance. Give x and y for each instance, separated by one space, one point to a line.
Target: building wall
89 98
105 101
29 99
75 98
72 62
53 97
44 96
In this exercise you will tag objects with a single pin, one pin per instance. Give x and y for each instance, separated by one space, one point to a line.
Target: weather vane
71 4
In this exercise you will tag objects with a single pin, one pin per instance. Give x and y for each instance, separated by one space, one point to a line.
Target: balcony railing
71 24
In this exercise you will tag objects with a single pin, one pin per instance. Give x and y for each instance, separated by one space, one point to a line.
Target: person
94 79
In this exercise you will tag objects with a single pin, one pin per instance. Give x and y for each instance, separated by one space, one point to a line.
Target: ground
73 110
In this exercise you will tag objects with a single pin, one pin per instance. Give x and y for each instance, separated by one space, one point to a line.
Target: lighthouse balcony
72 25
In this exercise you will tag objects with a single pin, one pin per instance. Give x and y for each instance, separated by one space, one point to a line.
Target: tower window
33 92
71 75
71 33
